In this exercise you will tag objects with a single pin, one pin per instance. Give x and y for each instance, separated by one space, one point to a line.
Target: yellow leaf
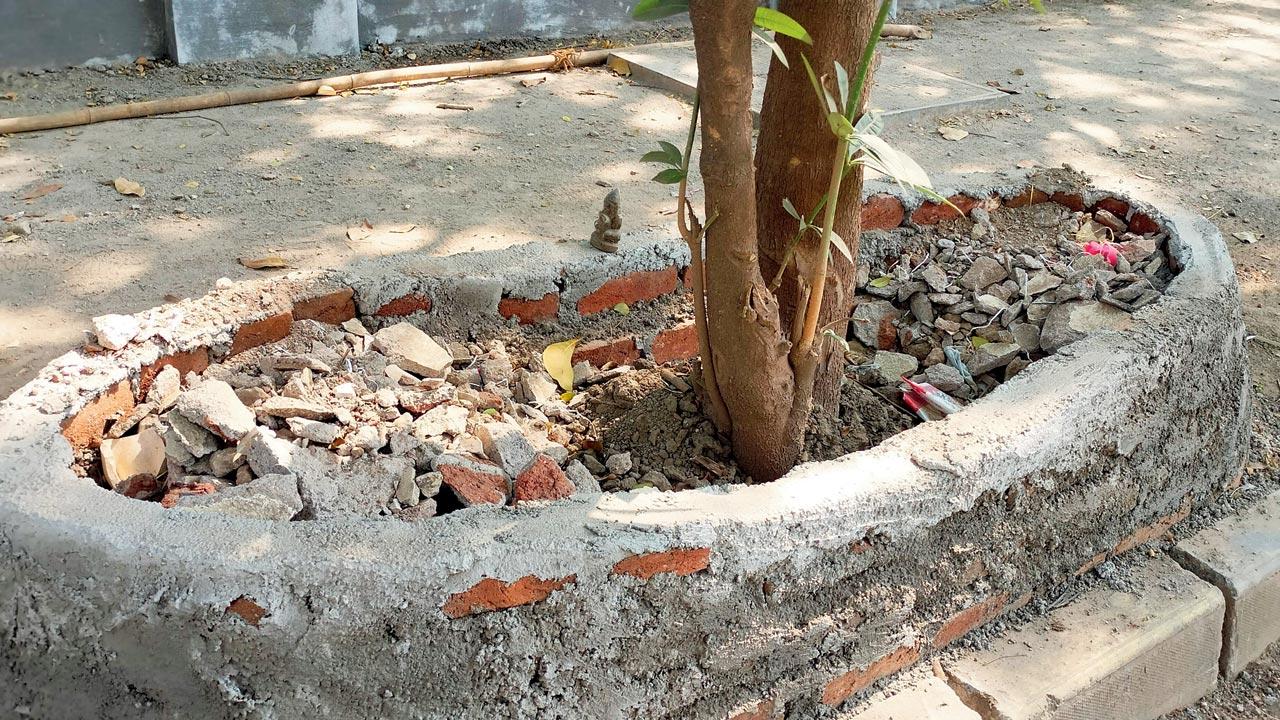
193 184
566 118
129 187
558 359
978 341
882 281
567 396
269 262
622 309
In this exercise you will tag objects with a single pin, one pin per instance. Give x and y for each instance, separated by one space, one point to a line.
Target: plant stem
693 235
819 280
864 65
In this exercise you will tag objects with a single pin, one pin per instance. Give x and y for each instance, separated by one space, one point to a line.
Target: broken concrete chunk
214 406
619 463
582 478
887 368
984 271
360 488
226 461
413 350
165 388
128 457
874 324
366 438
193 438
935 277
1027 335
506 445
116 331
1071 321
407 492
289 407
266 453
314 430
272 497
535 388
442 420
944 377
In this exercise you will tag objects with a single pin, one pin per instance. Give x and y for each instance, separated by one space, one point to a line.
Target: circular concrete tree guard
716 603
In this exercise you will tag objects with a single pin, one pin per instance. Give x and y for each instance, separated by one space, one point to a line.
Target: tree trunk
793 161
748 346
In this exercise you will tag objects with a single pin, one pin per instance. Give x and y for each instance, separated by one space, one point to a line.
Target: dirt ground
1254 694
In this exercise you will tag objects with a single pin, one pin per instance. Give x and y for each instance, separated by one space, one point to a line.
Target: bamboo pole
341 83
908 32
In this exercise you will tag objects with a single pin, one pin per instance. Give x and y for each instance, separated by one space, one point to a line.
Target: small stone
944 377
990 304
619 463
991 356
542 480
935 277
346 391
441 420
429 484
288 407
1136 251
535 387
1041 283
252 396
653 478
984 271
266 453
115 331
407 490
413 350
943 298
1027 335
165 388
947 326
129 457
355 327
1072 321
214 406
593 464
425 509
271 497
386 398
244 474
582 478
1130 293
874 323
921 308
506 445
317 432
1106 218
225 461
887 368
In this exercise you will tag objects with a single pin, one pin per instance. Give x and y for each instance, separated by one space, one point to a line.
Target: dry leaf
952 133
558 359
69 218
129 187
882 281
1026 164
326 91
11 237
38 192
10 96
622 309
270 262
1246 237
531 82
193 184
401 228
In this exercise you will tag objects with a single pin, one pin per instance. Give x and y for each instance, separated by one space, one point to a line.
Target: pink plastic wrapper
1108 251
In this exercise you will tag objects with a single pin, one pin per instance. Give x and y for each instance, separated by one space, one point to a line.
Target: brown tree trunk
793 161
747 344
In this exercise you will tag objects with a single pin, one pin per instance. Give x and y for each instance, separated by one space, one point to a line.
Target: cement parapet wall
796 593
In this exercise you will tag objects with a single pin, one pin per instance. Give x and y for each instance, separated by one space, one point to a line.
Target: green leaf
656 156
673 153
791 209
824 97
871 123
978 341
840 124
670 176
774 46
781 23
657 9
882 281
840 245
842 85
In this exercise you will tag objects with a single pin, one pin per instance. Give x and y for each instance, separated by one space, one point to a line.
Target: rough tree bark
767 393
793 160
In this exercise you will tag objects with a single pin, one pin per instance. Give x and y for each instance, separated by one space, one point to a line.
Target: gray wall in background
204 30
54 33
387 21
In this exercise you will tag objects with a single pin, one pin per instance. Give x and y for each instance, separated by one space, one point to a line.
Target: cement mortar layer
813 586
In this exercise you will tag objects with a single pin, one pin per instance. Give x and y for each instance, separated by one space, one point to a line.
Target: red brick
971 617
334 308
261 332
530 311
186 362
248 609
489 595
678 343
631 288
1091 563
1115 206
476 487
763 710
619 351
686 277
1143 224
882 212
542 480
1071 201
1145 535
680 561
844 686
405 305
1030 196
85 428
933 213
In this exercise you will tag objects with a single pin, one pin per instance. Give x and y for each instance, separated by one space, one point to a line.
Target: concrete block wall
200 30
54 33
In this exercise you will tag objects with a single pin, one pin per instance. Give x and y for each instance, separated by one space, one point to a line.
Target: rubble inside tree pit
339 421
